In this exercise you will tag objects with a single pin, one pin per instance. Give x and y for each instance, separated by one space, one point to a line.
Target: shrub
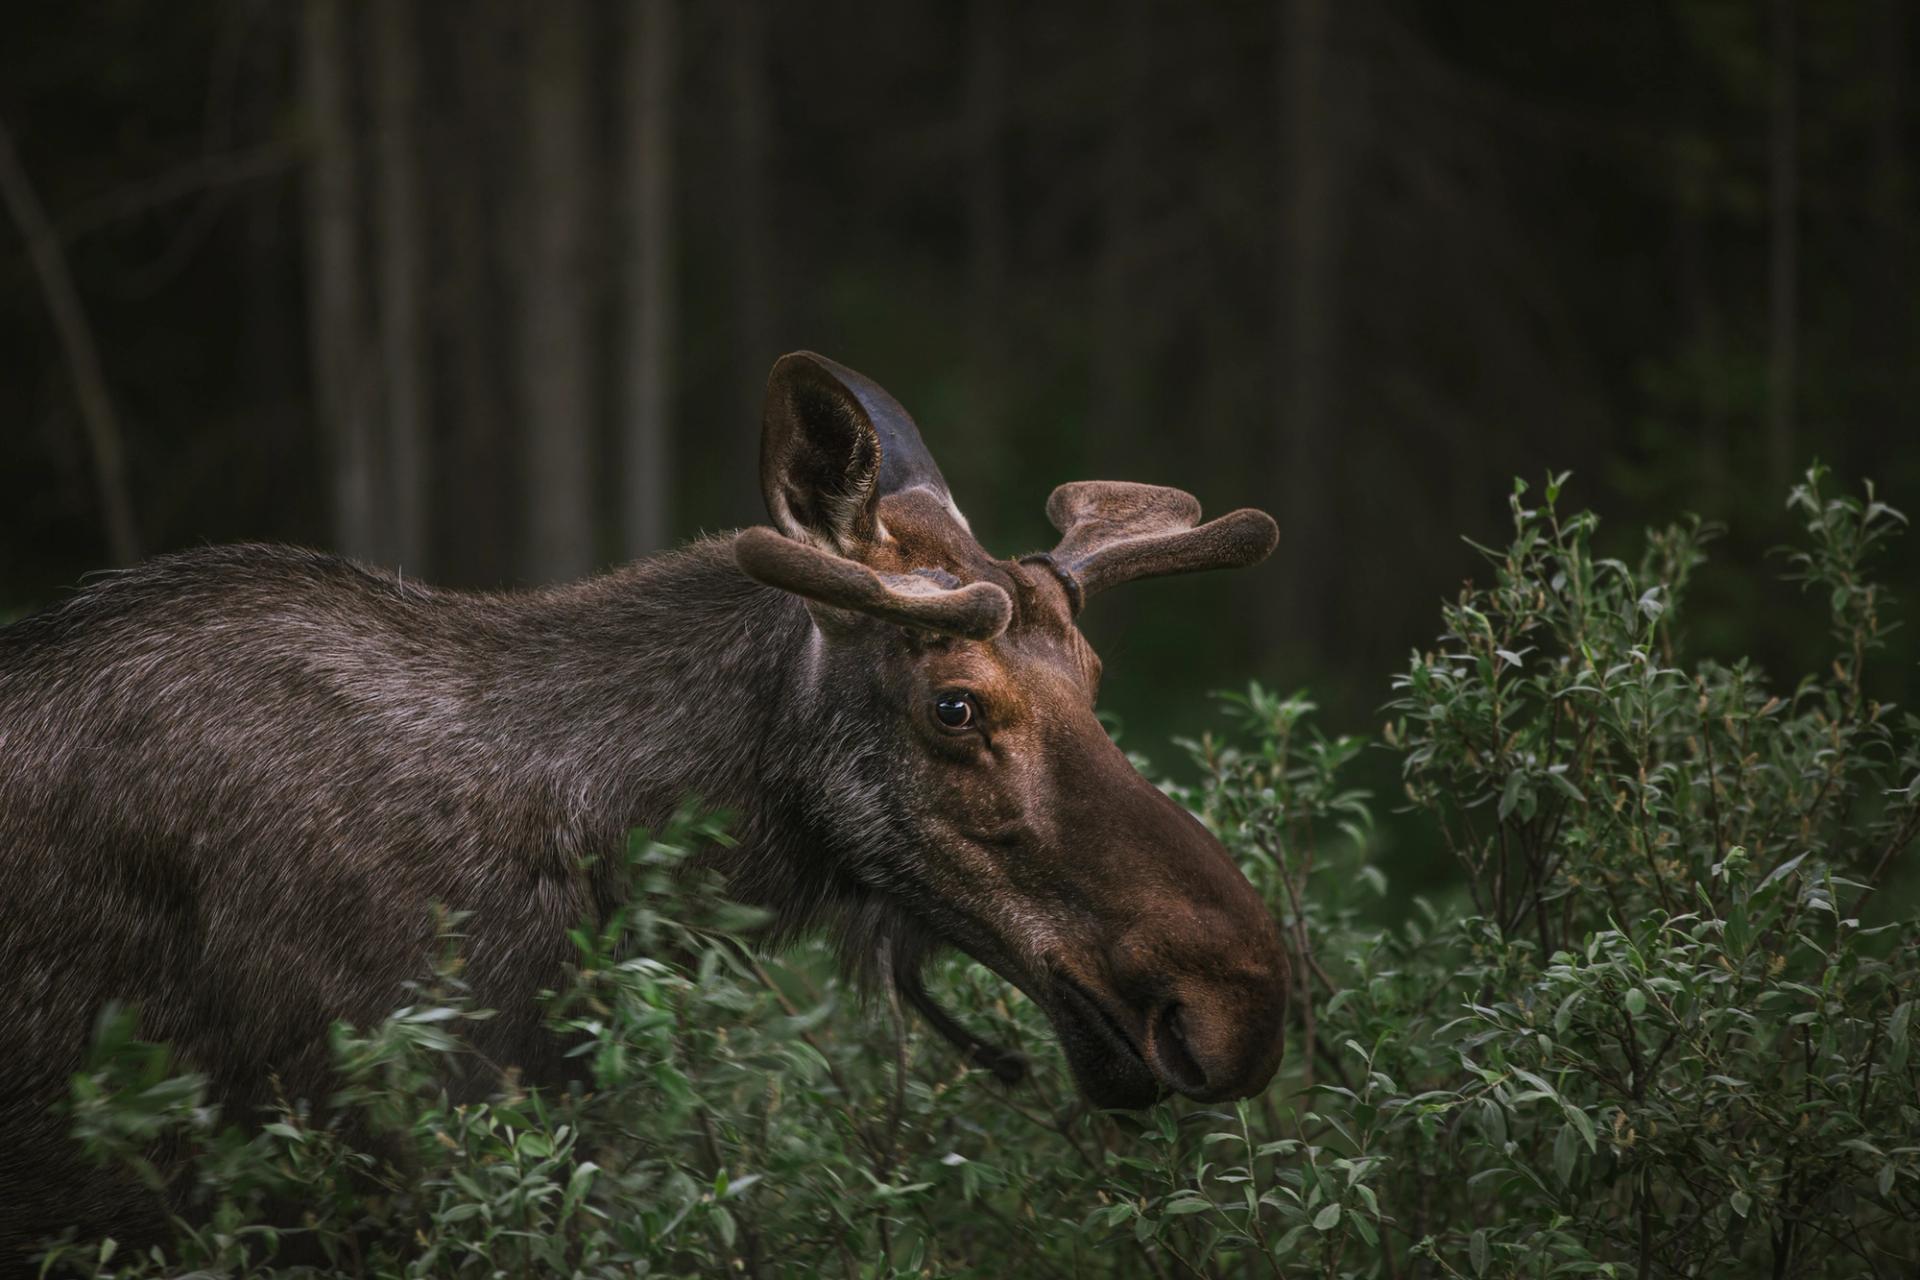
1673 1045
1654 1035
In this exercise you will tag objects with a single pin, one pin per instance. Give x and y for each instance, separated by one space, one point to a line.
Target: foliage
1673 1043
1657 1034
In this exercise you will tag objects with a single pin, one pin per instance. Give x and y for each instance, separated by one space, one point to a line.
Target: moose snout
1208 992
1186 978
1219 1040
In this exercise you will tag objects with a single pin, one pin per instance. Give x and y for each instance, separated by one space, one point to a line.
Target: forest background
489 291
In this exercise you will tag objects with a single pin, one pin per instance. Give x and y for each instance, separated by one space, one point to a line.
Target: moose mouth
1107 1066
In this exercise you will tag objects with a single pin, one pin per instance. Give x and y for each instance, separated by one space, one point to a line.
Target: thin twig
83 356
198 176
1901 838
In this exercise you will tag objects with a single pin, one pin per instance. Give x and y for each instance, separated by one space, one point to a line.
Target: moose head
984 806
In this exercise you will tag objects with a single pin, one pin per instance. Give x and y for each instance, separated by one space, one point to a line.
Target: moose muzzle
1187 990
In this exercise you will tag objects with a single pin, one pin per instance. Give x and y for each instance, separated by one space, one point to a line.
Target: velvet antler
1114 531
978 611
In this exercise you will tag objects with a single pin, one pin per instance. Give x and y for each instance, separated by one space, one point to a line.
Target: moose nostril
1171 1053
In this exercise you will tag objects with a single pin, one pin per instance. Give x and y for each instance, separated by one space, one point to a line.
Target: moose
235 783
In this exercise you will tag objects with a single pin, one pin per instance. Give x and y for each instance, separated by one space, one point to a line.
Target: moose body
235 784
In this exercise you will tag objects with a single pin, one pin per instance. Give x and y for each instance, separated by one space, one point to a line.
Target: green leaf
1636 1001
1565 785
1566 1154
1780 872
1584 1125
1546 1090
1327 1218
1510 793
577 1186
1575 1115
1477 1251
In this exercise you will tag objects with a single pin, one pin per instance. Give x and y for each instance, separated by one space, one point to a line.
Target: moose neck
679 680
650 687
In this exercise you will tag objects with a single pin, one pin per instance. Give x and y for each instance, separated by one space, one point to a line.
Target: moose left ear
1114 531
820 469
819 455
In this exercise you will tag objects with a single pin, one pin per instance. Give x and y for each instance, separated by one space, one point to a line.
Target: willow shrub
1654 1034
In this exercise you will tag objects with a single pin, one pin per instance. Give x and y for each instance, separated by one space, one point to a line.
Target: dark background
490 290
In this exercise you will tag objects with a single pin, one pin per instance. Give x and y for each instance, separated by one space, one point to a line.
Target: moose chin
235 782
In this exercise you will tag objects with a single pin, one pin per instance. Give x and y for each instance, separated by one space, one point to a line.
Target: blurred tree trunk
746 56
1306 322
1121 379
403 348
1892 157
556 354
1697 317
276 392
1783 233
651 55
988 235
478 507
341 390
1889 337
1705 349
97 415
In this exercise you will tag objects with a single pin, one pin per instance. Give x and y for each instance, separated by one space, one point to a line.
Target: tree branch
83 357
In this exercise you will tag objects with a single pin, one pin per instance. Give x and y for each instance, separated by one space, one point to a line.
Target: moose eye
955 710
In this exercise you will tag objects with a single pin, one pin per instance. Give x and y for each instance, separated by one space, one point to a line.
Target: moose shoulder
234 783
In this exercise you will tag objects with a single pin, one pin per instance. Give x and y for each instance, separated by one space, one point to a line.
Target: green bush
1654 1035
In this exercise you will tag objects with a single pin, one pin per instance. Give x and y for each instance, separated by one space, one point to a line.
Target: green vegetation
1657 1030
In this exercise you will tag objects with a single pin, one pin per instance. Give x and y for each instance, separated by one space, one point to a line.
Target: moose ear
819 456
1113 531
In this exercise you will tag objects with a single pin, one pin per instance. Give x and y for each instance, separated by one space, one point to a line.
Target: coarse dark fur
237 780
